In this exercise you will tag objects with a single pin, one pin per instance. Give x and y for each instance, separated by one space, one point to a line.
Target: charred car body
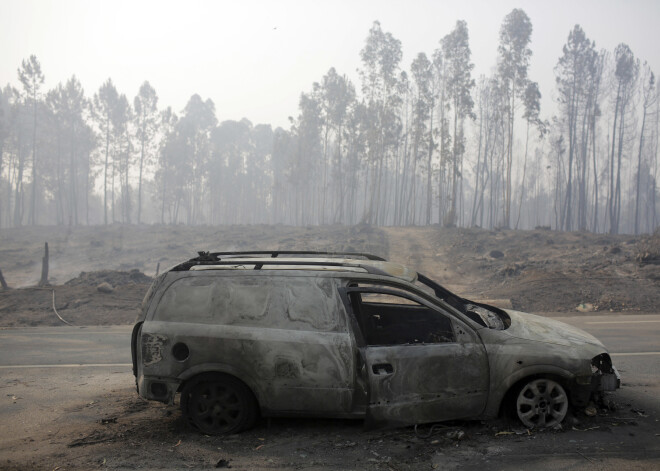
349 335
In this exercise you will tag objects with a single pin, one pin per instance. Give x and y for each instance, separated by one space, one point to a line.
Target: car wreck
246 334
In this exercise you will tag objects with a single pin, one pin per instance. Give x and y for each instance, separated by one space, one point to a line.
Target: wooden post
44 268
3 283
157 269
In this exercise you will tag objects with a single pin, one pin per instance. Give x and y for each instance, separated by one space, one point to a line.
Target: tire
218 404
541 403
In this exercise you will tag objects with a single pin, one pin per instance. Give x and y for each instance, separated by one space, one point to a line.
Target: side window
189 300
294 303
392 319
308 303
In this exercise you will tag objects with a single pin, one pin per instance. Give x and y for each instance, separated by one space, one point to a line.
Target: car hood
542 329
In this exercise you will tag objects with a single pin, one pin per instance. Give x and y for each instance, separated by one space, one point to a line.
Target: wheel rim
542 403
215 408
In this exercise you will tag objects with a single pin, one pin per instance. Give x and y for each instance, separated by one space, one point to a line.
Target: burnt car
241 335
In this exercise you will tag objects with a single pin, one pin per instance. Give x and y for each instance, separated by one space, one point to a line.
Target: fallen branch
57 314
91 439
431 430
585 457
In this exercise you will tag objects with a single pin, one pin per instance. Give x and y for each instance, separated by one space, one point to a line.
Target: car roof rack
348 262
217 256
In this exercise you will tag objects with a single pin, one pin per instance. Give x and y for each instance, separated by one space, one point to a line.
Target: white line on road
633 354
620 322
72 365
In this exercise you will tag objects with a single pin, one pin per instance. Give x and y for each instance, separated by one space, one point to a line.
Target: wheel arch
245 404
501 393
212 370
512 392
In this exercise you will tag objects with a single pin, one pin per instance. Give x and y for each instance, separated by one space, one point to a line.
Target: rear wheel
218 404
541 403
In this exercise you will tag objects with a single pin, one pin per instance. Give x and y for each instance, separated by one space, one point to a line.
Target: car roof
335 262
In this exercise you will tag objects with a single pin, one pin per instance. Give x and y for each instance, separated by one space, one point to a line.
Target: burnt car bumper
606 381
156 388
583 389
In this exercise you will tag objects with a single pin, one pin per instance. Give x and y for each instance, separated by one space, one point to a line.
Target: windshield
487 316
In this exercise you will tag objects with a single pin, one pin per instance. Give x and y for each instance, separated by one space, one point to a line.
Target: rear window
304 303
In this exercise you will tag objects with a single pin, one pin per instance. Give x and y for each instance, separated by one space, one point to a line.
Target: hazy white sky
254 58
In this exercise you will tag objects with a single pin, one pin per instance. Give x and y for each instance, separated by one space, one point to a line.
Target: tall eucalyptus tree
166 169
456 52
422 74
513 62
194 128
4 133
649 98
123 157
145 105
576 79
68 104
625 77
32 79
380 56
105 103
532 104
337 95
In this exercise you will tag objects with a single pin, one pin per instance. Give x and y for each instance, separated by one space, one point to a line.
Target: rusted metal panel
288 370
425 383
153 346
287 339
295 303
543 329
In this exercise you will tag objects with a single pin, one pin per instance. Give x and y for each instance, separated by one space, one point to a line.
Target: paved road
61 346
47 373
633 340
626 335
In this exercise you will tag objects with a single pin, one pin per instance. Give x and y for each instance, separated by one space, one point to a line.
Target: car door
421 364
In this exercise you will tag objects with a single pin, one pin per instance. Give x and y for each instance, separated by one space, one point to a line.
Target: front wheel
541 403
218 404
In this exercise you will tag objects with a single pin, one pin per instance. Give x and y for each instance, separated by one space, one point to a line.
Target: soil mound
112 277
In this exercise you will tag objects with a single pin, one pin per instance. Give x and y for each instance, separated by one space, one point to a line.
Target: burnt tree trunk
3 283
44 268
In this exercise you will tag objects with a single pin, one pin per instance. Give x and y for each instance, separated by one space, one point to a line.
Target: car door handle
382 369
